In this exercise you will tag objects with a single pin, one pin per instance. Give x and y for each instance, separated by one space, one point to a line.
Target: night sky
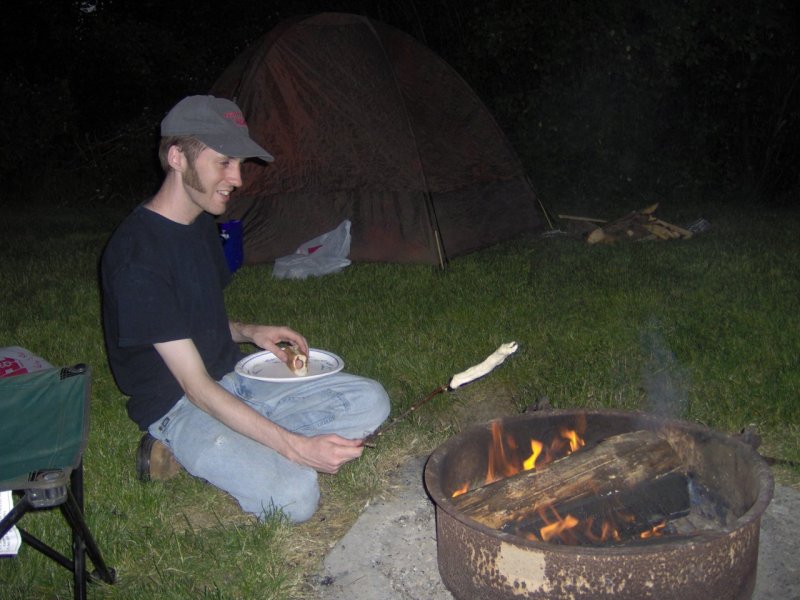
617 86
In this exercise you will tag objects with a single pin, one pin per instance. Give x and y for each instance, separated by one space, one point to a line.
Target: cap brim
238 146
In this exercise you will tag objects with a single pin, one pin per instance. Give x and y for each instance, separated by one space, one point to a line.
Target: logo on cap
236 117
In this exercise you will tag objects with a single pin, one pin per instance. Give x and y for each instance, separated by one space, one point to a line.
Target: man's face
210 179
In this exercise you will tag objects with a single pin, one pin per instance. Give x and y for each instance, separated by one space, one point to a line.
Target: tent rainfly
367 124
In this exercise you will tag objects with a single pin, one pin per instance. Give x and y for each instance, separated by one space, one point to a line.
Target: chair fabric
44 428
43 421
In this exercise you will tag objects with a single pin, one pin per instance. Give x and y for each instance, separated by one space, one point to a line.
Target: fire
575 441
545 523
503 461
571 530
608 532
530 462
656 531
462 490
557 527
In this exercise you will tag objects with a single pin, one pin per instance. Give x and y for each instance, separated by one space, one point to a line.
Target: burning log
620 462
640 512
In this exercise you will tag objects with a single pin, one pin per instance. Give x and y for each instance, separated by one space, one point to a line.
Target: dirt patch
479 403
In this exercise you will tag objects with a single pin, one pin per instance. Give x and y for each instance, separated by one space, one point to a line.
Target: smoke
664 380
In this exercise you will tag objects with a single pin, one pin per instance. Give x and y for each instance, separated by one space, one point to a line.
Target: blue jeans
261 479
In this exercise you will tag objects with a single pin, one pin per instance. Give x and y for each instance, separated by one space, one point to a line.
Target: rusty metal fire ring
477 562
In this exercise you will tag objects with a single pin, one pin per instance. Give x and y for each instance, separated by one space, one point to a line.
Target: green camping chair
44 427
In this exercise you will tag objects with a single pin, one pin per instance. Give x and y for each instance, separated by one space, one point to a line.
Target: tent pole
545 212
433 222
439 249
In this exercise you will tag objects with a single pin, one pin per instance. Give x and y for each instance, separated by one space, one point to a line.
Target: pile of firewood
637 225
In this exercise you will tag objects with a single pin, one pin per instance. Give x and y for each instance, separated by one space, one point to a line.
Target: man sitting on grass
172 348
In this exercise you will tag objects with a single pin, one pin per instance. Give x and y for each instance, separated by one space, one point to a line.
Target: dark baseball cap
217 122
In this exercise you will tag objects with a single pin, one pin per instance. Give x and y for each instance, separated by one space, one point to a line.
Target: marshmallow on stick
459 379
494 360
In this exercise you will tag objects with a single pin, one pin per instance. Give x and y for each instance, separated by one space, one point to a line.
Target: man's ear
176 158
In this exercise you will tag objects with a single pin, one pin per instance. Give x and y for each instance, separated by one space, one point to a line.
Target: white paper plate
265 366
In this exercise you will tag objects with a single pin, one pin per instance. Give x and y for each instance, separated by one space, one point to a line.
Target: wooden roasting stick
494 360
618 462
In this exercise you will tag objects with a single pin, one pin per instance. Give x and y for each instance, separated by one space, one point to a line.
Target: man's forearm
325 453
212 398
184 362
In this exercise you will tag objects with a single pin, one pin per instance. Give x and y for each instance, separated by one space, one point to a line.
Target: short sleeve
147 307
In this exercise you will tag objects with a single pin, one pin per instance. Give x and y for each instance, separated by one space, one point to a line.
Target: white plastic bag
324 254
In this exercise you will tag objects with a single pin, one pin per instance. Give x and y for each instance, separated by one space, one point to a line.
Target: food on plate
298 362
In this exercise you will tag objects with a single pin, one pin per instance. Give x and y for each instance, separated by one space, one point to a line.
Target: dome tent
367 124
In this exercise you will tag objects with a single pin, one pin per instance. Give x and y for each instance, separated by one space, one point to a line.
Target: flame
609 532
503 460
548 531
575 441
610 527
536 450
556 527
656 531
573 531
499 464
462 490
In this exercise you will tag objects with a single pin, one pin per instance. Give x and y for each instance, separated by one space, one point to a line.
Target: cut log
616 463
665 230
577 218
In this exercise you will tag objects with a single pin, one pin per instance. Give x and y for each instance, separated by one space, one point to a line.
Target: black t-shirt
163 281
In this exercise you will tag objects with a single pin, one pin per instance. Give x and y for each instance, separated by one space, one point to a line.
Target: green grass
704 329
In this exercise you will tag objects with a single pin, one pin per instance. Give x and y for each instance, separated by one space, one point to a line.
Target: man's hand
324 453
268 337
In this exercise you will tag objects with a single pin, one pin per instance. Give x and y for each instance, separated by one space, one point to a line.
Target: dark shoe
154 461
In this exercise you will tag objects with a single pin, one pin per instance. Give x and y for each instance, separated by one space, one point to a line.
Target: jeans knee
298 499
302 509
377 400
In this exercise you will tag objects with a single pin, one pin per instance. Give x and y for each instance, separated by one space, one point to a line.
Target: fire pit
717 560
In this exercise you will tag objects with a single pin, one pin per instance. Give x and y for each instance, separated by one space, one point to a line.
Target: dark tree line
597 96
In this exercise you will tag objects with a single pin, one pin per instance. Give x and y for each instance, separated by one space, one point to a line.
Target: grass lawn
716 317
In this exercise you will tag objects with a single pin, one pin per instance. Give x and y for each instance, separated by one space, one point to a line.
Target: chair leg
37 544
14 515
17 512
78 565
82 540
84 543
